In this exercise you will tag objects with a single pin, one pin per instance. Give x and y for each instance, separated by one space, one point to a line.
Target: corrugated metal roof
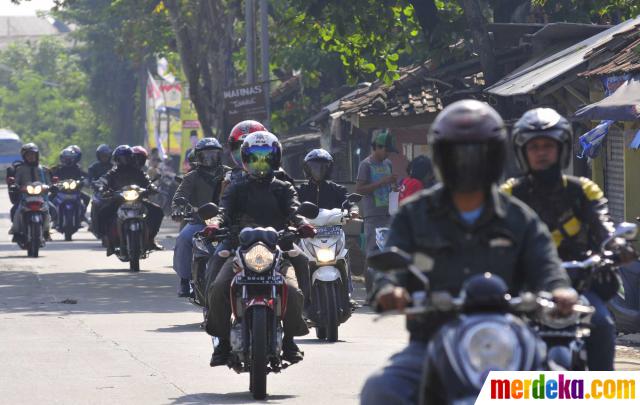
625 59
529 80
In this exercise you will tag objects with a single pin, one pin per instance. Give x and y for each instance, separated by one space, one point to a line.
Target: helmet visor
209 157
469 167
318 169
259 161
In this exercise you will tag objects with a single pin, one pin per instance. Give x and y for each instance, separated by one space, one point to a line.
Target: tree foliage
43 98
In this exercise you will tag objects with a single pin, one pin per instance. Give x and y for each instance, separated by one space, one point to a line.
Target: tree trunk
205 40
481 39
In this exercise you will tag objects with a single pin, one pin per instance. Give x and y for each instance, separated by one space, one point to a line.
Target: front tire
34 244
258 372
331 311
133 248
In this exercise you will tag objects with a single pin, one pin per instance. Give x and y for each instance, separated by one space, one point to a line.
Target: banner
164 125
190 126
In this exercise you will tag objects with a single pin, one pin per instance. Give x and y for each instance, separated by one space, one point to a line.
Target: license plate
325 231
258 280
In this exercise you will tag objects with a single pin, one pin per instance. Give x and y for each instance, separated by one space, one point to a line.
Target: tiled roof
419 90
625 50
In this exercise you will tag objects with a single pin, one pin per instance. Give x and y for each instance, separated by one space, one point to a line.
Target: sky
25 8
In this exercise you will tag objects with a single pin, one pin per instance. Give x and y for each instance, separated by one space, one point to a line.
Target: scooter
34 209
328 266
70 207
486 331
131 226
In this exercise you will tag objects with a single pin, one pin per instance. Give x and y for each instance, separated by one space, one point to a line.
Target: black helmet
122 155
30 147
68 157
469 145
103 151
191 159
78 152
208 151
542 122
318 165
261 154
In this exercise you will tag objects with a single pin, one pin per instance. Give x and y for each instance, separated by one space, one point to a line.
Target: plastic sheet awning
622 105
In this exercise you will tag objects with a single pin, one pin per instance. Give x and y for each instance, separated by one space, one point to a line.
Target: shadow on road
231 398
190 327
96 292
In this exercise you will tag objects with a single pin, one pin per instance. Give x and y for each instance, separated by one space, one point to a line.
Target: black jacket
250 202
98 169
68 172
119 177
326 195
199 187
574 210
507 240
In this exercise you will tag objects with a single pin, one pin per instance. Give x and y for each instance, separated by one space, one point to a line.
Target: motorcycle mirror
354 198
180 201
308 210
11 180
390 259
626 230
208 211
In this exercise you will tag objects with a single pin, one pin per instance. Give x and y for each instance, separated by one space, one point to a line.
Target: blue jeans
398 382
182 254
601 344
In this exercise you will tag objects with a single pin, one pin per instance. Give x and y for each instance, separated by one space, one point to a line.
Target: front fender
326 273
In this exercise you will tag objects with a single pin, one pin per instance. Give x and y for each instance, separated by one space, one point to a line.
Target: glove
210 230
605 283
307 231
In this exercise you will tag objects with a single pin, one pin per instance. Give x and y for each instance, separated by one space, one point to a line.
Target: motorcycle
369 274
328 266
571 332
486 331
131 226
33 208
258 301
70 207
203 248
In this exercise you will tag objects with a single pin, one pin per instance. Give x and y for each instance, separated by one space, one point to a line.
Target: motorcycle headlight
130 195
490 346
325 255
65 185
259 258
73 184
34 190
210 221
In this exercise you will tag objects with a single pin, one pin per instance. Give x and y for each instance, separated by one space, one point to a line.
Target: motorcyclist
573 208
199 186
466 227
257 199
69 169
234 142
139 157
326 194
98 169
102 164
124 174
29 172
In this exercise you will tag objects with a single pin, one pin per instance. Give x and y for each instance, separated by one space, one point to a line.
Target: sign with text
244 103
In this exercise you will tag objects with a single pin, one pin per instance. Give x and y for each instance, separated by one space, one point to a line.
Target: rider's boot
290 351
221 353
184 290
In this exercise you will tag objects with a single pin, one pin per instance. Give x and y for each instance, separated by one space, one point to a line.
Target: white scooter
328 266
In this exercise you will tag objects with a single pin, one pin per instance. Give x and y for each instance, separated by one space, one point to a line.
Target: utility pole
250 25
264 51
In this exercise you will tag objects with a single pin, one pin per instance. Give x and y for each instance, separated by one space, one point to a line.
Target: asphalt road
77 327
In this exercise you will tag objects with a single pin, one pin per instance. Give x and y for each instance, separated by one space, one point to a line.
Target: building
29 29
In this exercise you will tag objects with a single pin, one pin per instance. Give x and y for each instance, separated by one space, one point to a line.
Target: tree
43 98
204 32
